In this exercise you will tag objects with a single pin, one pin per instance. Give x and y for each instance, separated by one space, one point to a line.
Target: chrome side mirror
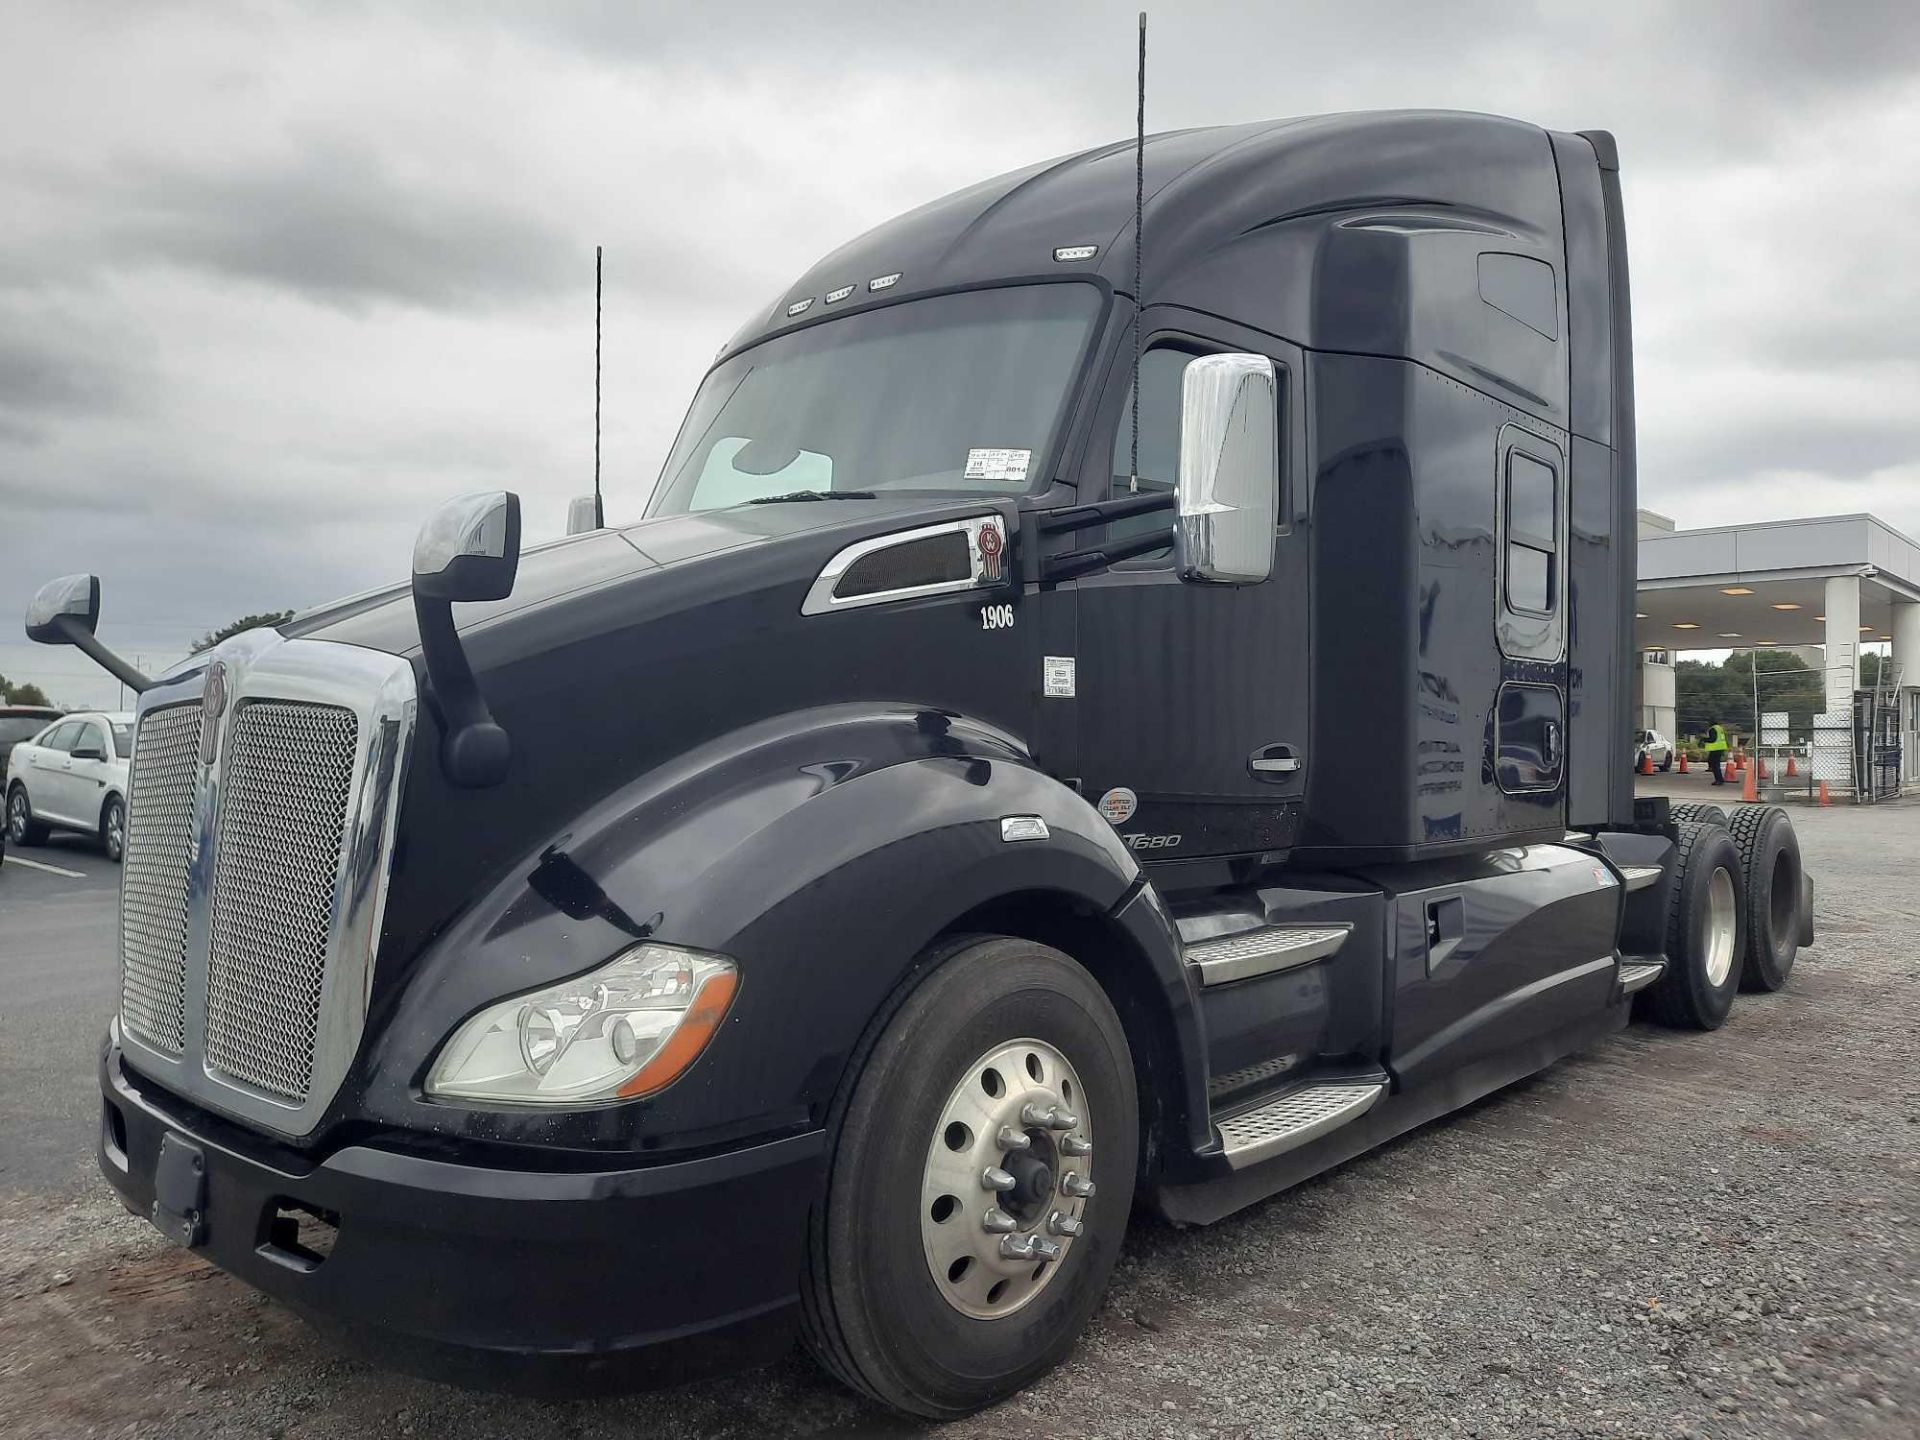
583 515
59 605
469 549
1229 487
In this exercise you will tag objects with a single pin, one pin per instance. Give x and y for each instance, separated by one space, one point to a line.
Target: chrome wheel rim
17 816
1009 1171
116 831
1720 928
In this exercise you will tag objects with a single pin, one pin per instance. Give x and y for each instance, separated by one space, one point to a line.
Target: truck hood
383 619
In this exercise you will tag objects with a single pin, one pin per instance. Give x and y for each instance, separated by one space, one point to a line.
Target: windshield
959 393
14 728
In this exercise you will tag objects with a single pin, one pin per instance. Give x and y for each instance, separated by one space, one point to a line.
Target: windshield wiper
813 495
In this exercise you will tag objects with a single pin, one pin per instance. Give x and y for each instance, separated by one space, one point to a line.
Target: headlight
625 1030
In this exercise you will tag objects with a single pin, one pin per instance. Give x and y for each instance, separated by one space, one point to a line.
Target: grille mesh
284 790
153 886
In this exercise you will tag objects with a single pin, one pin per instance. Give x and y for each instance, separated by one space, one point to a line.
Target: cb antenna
599 509
1139 208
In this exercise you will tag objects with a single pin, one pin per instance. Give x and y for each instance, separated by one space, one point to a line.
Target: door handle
1272 762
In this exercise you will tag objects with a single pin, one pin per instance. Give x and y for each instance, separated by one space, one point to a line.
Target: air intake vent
931 560
153 887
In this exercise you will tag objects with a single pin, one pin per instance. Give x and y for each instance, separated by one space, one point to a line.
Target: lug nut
994 1178
1072 1184
1076 1145
1014 1139
998 1222
1044 1249
1065 1226
1050 1117
1017 1247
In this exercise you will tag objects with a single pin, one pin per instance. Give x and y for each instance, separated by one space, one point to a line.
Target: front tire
22 828
932 1286
113 829
1667 764
1706 932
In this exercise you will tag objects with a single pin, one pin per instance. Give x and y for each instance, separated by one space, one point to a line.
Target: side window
61 737
1533 507
1163 370
88 736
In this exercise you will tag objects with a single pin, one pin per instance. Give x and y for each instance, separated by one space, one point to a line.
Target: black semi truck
968 806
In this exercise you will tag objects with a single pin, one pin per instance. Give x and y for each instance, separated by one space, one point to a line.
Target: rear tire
113 829
1700 812
1667 764
22 828
879 1309
1706 932
1770 866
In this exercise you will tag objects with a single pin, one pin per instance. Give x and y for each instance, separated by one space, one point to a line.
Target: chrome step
1639 877
1240 1079
1291 1120
1638 974
1264 952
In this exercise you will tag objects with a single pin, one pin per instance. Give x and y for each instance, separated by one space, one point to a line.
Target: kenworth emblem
213 702
990 544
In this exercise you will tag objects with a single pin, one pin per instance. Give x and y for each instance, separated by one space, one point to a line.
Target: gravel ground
1671 1235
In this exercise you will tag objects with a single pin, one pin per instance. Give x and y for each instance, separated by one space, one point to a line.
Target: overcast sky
275 279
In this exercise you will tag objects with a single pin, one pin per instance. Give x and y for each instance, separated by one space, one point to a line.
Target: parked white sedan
72 776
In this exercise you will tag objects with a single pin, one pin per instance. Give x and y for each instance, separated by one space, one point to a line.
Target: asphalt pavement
58 905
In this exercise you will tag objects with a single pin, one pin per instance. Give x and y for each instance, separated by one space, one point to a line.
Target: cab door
48 773
1191 699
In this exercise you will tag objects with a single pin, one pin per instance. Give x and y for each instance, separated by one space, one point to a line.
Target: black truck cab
968 802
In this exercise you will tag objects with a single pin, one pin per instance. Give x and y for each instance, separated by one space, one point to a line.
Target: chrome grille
286 780
153 884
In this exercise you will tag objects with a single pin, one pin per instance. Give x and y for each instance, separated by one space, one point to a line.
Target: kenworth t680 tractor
1010 778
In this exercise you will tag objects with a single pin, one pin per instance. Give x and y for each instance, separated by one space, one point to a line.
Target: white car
72 776
1652 745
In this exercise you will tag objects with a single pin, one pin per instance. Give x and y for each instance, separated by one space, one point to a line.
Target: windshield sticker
989 464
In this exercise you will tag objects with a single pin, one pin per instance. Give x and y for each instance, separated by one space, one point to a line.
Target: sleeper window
1532 534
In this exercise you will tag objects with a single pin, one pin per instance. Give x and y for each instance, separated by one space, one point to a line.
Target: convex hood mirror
469 549
67 612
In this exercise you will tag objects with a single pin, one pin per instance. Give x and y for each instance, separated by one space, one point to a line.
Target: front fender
822 852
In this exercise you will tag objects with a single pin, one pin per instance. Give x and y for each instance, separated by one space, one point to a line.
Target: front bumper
544 1281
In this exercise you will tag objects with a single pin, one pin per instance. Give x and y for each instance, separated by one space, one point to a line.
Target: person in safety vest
1716 748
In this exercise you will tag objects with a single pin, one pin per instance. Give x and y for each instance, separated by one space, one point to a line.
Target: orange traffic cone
1760 764
1824 799
1750 783
1792 769
1646 764
1683 762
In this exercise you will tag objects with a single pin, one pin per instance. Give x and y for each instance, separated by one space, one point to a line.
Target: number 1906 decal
996 617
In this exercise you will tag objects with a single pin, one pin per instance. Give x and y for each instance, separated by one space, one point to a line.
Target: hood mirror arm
88 644
469 549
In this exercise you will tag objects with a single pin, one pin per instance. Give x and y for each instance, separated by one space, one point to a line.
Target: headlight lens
626 1030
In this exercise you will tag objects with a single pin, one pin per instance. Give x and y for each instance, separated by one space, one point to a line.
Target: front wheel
1667 764
980 1183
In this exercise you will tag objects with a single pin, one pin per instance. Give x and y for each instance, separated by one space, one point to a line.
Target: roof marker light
800 307
834 297
884 282
1064 253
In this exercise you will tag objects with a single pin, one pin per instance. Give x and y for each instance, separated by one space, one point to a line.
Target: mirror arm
1099 512
1084 562
85 641
474 750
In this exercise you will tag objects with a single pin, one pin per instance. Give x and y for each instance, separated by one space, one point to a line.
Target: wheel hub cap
1009 1171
